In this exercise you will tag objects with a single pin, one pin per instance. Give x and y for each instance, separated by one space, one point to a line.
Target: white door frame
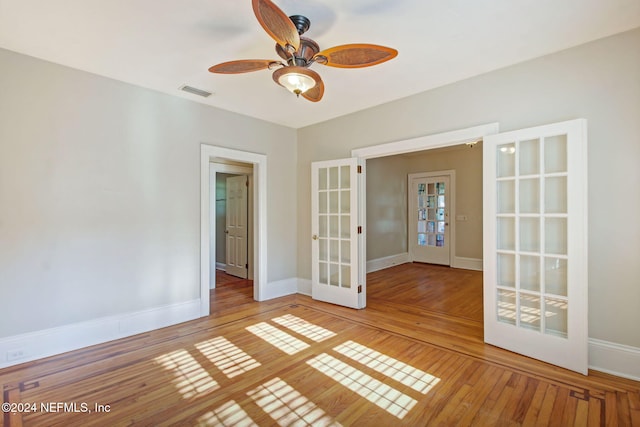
451 207
421 143
209 154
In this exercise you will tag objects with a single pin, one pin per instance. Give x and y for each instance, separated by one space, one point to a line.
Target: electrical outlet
18 353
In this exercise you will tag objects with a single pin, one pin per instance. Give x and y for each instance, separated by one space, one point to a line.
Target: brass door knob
315 237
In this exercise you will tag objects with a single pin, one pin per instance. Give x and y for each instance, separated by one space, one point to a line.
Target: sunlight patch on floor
228 415
304 328
406 374
280 339
191 379
228 358
287 406
386 397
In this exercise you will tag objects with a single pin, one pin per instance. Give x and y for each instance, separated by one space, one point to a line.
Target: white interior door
429 232
236 229
337 275
535 243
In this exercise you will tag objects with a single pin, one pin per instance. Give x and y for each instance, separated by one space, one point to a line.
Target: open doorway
232 220
388 196
411 231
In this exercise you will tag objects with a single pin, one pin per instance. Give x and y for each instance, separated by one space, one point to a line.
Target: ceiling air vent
195 91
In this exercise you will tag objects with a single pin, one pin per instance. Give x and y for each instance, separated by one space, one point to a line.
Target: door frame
451 174
212 154
422 143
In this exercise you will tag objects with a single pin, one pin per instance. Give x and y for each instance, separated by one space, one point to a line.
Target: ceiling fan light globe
296 82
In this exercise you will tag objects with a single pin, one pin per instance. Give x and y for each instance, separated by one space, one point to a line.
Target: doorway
211 159
388 195
232 206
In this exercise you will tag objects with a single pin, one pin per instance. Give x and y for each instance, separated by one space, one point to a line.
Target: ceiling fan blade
355 55
315 93
241 66
276 23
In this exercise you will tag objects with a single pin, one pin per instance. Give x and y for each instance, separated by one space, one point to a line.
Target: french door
429 210
535 243
337 237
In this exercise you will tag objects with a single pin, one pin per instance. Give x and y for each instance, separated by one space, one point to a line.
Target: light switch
462 217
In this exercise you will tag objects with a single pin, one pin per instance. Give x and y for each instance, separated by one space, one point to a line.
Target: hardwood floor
414 356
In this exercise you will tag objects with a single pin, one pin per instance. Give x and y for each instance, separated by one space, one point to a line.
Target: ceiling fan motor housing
307 50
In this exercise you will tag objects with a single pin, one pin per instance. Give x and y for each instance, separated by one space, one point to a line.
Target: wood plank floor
413 357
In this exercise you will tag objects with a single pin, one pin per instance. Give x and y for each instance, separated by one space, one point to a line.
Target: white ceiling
164 44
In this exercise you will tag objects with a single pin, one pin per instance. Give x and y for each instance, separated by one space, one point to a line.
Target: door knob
226 231
315 237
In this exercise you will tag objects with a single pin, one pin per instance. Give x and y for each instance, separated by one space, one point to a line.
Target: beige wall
100 194
597 81
386 207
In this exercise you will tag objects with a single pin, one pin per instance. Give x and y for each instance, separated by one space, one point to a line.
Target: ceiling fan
299 53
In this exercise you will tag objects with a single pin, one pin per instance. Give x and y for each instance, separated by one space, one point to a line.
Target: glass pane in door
531 234
334 216
431 214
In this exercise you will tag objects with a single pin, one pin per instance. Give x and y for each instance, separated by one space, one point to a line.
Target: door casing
211 154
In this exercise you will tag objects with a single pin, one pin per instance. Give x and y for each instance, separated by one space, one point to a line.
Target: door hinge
359 229
246 266
246 183
359 289
359 169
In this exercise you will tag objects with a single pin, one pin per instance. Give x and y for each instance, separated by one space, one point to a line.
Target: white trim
467 263
221 266
232 169
49 342
616 359
427 142
387 261
208 154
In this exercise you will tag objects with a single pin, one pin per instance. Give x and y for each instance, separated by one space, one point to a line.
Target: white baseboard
467 263
304 287
221 266
386 262
48 342
280 288
615 359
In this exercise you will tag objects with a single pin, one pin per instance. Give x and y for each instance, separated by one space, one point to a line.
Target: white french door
429 209
337 274
236 226
535 243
